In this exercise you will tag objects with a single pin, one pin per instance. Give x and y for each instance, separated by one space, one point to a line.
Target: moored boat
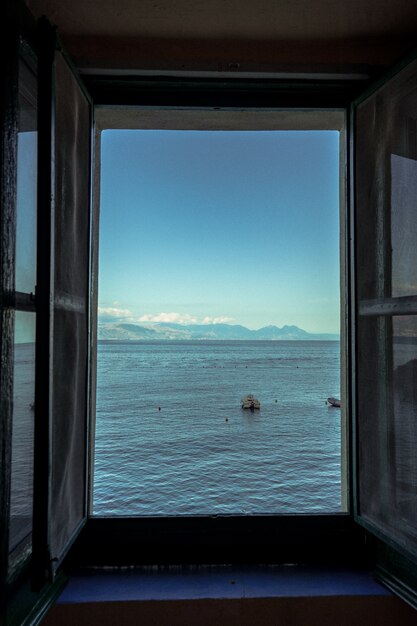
250 402
333 402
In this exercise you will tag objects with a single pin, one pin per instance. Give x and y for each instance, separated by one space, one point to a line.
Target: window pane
386 189
219 277
26 183
404 223
387 426
22 429
21 487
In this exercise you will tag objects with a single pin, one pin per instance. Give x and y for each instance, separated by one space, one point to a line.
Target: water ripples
201 453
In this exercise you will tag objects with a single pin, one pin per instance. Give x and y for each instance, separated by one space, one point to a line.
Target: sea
172 439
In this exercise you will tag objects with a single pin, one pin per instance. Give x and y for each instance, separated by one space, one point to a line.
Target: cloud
115 314
183 318
175 318
111 314
223 319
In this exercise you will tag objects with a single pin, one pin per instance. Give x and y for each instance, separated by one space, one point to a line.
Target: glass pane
404 224
219 277
386 189
23 429
26 182
387 374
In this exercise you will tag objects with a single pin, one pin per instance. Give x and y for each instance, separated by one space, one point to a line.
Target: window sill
204 582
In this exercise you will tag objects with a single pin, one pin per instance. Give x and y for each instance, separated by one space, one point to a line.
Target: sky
239 227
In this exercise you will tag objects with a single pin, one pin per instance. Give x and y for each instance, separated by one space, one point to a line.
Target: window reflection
403 225
405 418
21 487
388 424
21 497
26 183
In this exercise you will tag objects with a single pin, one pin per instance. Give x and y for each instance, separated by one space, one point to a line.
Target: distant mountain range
180 332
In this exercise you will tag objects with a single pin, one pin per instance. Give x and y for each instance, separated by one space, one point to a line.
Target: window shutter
63 298
385 321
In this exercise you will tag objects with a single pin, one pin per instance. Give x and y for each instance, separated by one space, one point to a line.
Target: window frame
279 538
197 118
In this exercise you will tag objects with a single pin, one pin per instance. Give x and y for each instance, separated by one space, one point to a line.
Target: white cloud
183 318
176 318
113 313
223 319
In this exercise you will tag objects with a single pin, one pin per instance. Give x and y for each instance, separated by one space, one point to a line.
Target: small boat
333 402
250 402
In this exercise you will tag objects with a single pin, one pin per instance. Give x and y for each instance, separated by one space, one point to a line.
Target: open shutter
385 323
72 151
63 298
44 250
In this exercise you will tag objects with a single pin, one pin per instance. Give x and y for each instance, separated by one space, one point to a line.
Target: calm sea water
201 453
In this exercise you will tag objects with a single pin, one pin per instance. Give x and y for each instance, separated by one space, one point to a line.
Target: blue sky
237 226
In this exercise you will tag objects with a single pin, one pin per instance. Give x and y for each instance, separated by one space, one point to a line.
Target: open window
379 345
232 219
145 534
